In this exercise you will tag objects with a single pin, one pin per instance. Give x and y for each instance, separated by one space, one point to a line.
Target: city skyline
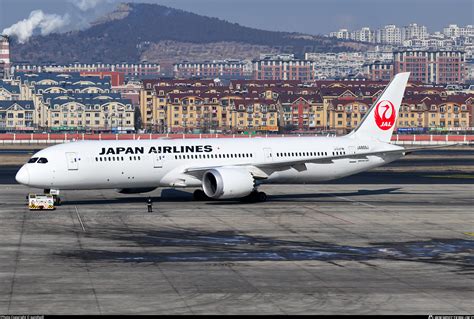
306 16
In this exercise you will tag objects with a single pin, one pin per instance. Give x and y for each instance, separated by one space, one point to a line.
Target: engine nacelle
222 183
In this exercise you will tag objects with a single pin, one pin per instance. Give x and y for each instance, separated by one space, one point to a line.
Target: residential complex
202 106
128 70
224 69
282 67
412 35
63 102
71 102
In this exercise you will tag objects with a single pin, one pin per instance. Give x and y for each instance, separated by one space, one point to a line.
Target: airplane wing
262 170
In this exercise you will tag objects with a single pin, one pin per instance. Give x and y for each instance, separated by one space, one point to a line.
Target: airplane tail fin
379 121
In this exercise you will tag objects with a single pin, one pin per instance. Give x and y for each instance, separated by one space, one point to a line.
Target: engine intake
224 183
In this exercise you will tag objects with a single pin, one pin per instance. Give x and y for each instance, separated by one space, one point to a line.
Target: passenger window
42 160
33 160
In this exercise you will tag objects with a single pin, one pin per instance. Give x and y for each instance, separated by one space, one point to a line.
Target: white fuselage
162 162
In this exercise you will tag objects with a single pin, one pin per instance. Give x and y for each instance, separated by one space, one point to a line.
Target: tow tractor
43 201
48 200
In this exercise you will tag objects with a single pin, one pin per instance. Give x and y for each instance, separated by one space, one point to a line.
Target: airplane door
268 154
352 150
72 161
158 161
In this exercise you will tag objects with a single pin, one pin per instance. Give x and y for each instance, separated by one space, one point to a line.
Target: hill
135 32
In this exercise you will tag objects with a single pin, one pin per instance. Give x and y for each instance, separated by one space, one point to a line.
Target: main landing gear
200 196
255 197
55 193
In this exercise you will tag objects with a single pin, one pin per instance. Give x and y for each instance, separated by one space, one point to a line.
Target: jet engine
223 183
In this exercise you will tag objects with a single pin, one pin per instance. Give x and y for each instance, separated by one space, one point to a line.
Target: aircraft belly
113 177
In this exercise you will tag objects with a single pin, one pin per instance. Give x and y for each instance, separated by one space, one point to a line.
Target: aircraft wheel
261 197
255 197
199 195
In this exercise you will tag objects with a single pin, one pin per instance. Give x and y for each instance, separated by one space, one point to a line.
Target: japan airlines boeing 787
223 168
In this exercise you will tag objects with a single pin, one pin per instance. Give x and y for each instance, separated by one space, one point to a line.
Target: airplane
221 168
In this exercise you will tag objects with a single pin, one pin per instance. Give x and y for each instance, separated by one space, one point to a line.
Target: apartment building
436 111
129 71
431 66
17 115
302 112
9 91
88 112
345 114
379 70
223 69
282 67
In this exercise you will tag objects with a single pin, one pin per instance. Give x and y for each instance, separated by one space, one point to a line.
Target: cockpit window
33 160
42 160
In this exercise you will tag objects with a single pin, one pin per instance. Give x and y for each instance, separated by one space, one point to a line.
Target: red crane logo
385 115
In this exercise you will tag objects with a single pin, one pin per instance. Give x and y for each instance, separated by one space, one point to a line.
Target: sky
306 16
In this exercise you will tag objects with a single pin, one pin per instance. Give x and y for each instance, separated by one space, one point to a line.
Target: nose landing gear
55 194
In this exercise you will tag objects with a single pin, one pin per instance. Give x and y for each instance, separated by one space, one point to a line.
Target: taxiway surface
382 248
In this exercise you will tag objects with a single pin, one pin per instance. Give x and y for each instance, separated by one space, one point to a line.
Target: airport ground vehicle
40 201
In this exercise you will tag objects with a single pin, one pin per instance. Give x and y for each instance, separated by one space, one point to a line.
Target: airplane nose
23 176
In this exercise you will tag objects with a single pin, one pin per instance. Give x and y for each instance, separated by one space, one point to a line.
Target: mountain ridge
126 34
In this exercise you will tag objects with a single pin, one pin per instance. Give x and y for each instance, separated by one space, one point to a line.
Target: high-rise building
414 31
431 66
364 35
341 34
453 31
390 34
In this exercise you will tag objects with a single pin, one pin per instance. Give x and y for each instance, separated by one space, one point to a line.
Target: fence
55 138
